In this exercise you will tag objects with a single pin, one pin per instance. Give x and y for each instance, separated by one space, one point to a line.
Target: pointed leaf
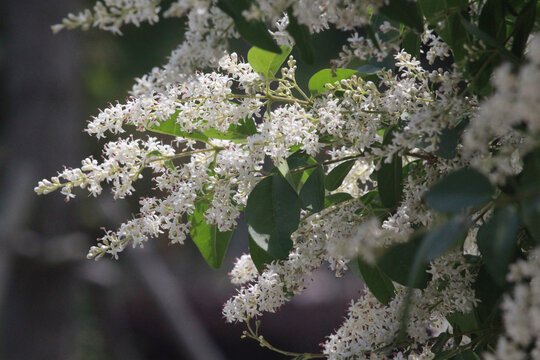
404 11
255 31
272 215
336 198
397 262
459 190
529 186
524 26
337 175
266 62
318 81
378 283
302 38
389 177
312 192
497 242
448 140
211 242
259 257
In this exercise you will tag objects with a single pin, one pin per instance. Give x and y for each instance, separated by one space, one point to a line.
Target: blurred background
160 302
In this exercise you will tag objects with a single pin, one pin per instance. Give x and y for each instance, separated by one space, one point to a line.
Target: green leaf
318 81
466 355
272 215
171 127
312 192
489 293
282 167
448 140
440 342
492 21
497 242
254 32
266 62
459 190
455 35
444 238
435 10
336 198
302 38
488 40
245 127
404 11
299 160
211 242
529 187
407 263
437 242
237 133
398 260
337 175
378 283
524 26
259 257
464 322
411 44
389 177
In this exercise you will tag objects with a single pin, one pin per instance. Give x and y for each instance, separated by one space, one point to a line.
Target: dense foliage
413 160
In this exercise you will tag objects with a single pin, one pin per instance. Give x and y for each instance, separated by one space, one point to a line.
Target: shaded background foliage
160 302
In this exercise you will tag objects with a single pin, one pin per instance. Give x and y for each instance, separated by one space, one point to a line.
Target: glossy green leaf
492 21
236 133
455 35
497 242
312 192
211 242
297 161
524 26
448 140
488 40
266 62
435 10
444 238
398 260
245 127
529 188
404 11
440 342
337 175
171 127
255 31
259 257
464 322
318 81
377 282
459 190
282 167
411 44
272 215
435 243
302 38
389 177
336 198
466 355
407 263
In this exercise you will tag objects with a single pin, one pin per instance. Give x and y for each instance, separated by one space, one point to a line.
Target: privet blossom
422 103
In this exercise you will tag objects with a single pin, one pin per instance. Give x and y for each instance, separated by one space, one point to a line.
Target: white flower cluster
111 15
370 327
515 104
209 159
521 312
